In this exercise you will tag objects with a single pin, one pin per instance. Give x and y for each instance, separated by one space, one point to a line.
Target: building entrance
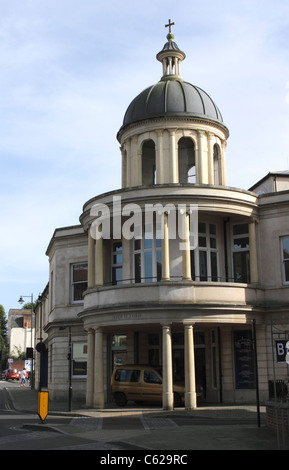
200 360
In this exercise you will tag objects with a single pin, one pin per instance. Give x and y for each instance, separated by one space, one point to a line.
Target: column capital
188 323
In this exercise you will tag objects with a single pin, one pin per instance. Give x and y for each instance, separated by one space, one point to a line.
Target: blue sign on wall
244 360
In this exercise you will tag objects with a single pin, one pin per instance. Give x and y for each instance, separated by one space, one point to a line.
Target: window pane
202 227
137 244
286 263
199 337
117 246
137 267
214 268
78 290
116 275
202 241
151 377
240 243
213 229
159 265
213 243
79 272
193 265
242 267
203 265
240 229
285 248
117 259
148 266
148 243
119 341
79 367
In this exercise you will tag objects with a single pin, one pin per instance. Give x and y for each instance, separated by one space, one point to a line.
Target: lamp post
21 301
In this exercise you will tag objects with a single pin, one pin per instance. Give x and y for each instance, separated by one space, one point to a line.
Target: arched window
216 164
187 165
148 163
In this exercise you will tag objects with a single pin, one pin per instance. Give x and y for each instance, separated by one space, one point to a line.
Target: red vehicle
12 374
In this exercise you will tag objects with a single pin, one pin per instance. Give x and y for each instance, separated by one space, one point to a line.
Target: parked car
12 374
141 383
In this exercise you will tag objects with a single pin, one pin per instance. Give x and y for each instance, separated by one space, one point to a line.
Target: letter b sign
282 350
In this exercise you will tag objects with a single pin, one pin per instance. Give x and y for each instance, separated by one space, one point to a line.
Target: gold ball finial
170 37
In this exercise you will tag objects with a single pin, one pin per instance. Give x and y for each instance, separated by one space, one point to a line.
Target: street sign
42 405
10 361
282 350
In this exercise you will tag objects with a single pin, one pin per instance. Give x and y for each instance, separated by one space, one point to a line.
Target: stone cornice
165 119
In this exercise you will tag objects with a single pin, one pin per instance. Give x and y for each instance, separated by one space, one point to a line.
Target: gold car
140 384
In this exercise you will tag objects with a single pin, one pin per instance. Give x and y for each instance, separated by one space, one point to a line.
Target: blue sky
69 70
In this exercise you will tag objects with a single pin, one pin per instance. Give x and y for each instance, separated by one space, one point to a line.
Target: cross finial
169 26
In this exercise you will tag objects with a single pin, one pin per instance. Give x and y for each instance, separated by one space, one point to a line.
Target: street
19 430
150 430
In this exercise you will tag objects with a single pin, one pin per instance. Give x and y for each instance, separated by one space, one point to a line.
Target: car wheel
120 399
177 400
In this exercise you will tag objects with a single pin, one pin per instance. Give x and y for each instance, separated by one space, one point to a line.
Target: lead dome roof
172 96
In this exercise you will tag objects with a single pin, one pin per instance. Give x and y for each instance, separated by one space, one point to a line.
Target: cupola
171 121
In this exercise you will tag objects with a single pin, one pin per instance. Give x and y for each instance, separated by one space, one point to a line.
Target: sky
69 70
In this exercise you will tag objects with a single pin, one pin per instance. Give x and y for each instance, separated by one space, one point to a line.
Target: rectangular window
116 263
241 253
79 359
79 281
285 259
148 256
204 259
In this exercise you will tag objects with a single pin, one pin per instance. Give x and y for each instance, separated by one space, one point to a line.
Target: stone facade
144 299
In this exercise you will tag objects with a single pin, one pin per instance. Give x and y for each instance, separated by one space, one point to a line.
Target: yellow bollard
42 405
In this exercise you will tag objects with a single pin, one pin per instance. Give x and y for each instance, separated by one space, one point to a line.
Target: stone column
91 261
173 158
123 167
223 172
165 251
90 368
98 279
98 393
202 168
253 252
159 159
186 253
190 378
168 396
210 159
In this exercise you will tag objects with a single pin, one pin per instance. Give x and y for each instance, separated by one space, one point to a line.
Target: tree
29 306
3 338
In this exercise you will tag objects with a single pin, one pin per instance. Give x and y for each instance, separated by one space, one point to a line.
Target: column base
89 400
98 401
190 401
168 401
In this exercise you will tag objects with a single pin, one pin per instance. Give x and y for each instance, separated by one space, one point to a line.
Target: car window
124 375
150 377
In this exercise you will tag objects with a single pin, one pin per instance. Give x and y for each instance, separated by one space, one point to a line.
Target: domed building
176 269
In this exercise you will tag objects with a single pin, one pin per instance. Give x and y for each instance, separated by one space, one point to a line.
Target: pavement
220 427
